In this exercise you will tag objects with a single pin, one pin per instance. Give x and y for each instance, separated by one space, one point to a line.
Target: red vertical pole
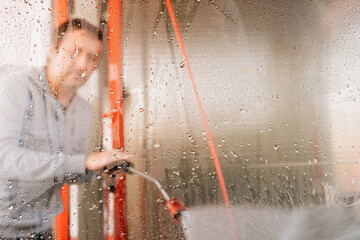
62 220
116 95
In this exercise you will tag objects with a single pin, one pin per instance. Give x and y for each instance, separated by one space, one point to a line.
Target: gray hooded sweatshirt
41 146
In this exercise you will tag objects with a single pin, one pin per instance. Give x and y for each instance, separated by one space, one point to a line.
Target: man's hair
76 24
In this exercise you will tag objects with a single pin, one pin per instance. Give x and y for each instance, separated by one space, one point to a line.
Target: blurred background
279 82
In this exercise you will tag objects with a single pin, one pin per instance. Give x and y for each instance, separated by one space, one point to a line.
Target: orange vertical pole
116 100
62 220
60 11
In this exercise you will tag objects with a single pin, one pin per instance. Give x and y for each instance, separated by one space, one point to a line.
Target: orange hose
204 120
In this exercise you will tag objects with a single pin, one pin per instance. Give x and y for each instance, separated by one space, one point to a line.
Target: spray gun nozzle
175 208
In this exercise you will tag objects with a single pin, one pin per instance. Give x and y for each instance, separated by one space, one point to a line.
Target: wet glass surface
279 86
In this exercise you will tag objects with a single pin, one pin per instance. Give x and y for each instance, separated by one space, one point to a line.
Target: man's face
75 59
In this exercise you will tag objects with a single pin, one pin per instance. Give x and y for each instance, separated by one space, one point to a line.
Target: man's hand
100 160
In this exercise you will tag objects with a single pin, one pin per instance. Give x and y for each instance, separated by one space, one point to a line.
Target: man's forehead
82 34
80 37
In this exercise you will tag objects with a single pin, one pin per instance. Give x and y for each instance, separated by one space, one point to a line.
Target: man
44 132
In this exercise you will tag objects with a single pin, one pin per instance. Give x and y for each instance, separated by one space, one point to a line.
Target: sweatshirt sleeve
17 162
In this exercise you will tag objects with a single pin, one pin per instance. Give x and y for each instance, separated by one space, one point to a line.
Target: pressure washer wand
151 179
174 205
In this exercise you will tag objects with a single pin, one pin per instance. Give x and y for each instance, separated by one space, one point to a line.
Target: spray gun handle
123 165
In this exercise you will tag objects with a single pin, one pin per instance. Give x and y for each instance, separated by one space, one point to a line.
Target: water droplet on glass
234 154
182 64
276 147
76 52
